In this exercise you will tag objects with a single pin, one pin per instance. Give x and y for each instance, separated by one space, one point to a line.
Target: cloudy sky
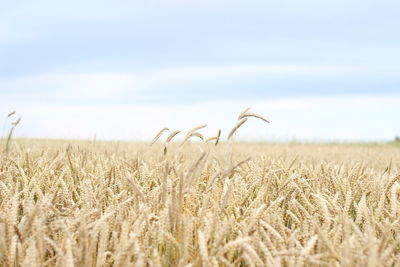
319 70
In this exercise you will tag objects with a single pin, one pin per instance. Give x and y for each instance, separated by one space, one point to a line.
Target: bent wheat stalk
216 138
195 134
199 135
243 112
159 135
210 139
11 113
14 124
172 135
195 129
232 132
246 115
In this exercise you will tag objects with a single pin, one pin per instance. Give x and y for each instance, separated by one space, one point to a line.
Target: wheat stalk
11 113
238 125
171 136
243 112
246 115
195 129
163 130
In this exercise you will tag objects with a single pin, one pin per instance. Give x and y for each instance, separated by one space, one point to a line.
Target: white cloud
106 85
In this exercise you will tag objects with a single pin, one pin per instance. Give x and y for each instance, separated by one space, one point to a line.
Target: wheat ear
243 112
246 115
240 123
159 135
172 135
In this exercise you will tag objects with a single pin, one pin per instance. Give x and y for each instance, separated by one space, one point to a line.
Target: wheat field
92 203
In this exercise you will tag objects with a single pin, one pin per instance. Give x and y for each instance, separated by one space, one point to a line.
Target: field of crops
88 203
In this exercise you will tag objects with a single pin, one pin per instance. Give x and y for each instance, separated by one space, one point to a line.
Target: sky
318 70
